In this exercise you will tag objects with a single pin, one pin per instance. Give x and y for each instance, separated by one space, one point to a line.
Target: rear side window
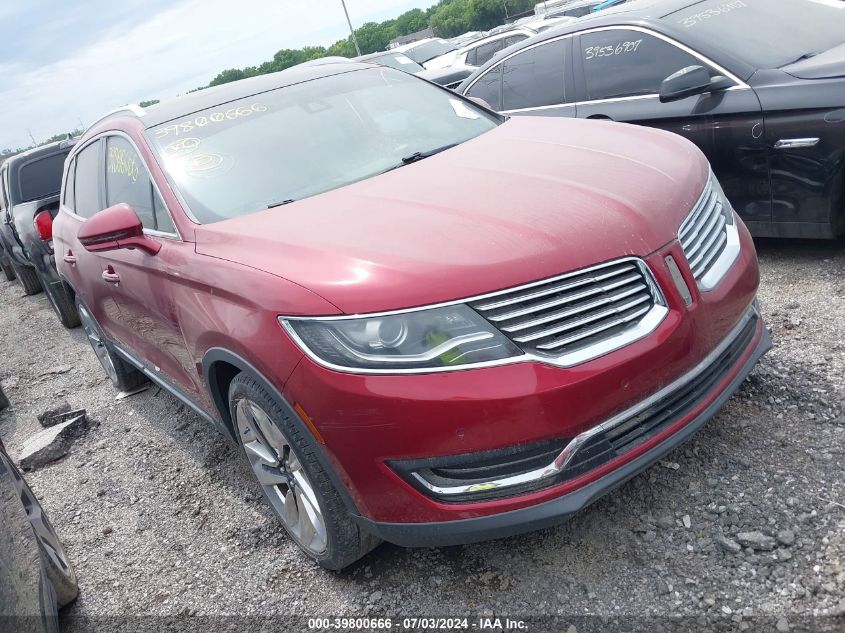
485 52
128 181
41 178
68 199
535 77
489 87
514 39
622 63
87 181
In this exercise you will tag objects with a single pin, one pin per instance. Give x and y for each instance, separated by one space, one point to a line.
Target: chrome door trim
794 143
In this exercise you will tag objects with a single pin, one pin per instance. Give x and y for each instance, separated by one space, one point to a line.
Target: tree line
447 18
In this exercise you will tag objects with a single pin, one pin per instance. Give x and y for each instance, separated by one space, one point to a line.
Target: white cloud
167 53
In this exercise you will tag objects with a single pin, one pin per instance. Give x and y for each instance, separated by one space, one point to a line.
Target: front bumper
549 513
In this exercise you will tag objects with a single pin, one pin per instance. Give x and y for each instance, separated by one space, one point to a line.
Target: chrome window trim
740 84
103 136
645 326
568 453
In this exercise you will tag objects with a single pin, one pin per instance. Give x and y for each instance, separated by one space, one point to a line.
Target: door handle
792 143
110 276
70 258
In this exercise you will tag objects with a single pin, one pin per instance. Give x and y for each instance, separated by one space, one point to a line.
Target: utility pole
31 136
351 30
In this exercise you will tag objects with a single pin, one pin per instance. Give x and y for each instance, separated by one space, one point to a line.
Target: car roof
38 152
191 102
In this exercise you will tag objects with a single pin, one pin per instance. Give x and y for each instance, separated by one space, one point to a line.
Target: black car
35 576
29 200
758 85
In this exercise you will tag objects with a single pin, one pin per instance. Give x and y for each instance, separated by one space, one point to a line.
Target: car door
618 73
82 198
141 283
534 81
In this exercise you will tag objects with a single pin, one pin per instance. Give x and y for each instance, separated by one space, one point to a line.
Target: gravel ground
161 517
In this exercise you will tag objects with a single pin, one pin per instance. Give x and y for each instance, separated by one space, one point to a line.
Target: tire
28 279
296 484
6 265
53 556
4 401
62 304
124 376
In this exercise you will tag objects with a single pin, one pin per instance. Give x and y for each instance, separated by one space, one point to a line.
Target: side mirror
689 81
480 102
114 228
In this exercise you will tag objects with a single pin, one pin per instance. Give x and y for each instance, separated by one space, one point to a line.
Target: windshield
435 48
40 178
766 33
301 140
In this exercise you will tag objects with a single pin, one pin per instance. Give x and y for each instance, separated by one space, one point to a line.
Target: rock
687 521
51 444
376 596
670 465
55 371
728 544
108 529
786 537
782 625
756 540
61 407
58 418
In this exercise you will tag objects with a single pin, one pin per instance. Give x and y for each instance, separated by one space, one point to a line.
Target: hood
826 65
534 198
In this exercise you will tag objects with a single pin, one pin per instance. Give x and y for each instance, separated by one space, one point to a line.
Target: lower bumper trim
549 513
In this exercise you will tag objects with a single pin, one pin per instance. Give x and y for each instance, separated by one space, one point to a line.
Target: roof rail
130 108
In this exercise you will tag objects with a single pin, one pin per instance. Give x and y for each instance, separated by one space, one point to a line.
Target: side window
472 57
87 179
68 197
127 181
485 52
621 63
489 87
514 39
534 77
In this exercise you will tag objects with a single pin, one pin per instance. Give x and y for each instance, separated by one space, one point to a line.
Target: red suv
423 322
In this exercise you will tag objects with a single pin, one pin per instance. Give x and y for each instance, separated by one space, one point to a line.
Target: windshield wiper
413 158
279 204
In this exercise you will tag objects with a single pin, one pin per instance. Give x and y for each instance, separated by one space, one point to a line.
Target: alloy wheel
92 331
280 473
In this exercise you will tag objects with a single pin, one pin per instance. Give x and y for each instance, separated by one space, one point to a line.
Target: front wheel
292 479
124 376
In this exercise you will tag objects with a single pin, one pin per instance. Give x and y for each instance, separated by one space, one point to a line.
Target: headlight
437 338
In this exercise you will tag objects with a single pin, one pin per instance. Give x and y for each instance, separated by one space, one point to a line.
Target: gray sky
63 63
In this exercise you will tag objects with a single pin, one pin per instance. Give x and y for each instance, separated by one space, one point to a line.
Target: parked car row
428 322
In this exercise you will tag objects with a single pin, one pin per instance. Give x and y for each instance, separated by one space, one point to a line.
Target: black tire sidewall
344 542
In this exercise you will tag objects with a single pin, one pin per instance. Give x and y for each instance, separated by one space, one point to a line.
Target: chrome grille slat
584 294
562 314
570 316
574 324
595 330
704 233
558 287
695 262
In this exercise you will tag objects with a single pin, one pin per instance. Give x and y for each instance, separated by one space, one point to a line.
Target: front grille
574 311
704 235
